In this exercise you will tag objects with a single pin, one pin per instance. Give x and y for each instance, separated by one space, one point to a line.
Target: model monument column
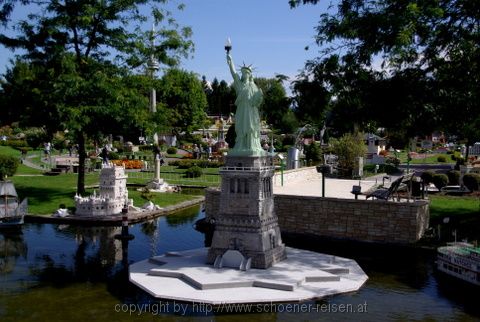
246 229
153 66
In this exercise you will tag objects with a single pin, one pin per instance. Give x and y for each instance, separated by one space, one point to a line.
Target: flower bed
129 164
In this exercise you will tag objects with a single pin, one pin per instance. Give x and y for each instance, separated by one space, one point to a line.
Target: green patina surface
247 119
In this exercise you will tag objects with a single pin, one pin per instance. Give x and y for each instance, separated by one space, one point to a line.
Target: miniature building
374 143
475 149
113 195
246 229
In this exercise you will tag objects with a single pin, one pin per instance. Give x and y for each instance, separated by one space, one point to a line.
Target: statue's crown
246 67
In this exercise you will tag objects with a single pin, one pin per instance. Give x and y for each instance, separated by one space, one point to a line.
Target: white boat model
461 260
11 211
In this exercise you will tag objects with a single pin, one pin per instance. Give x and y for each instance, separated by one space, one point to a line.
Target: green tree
182 94
221 100
431 47
348 148
311 101
275 103
79 44
313 152
8 166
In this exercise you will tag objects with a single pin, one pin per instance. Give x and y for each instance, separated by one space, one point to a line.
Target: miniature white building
112 197
475 149
374 143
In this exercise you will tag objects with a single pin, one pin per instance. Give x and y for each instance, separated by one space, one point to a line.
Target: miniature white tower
113 183
113 195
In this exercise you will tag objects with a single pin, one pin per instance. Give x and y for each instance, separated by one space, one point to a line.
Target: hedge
194 172
185 164
440 180
427 176
472 181
453 177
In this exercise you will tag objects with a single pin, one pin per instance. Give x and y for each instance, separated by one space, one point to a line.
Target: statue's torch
228 45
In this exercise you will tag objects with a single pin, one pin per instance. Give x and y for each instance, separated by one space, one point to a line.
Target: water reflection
92 259
150 229
184 216
84 271
12 246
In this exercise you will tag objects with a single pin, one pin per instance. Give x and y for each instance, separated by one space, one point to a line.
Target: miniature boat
11 211
461 260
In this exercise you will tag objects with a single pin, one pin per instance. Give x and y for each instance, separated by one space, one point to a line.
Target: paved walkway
334 188
30 164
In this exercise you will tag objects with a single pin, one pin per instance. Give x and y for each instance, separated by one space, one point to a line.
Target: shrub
427 176
8 166
16 144
313 152
441 158
440 180
453 177
388 168
392 160
145 148
185 164
172 150
113 155
194 172
472 181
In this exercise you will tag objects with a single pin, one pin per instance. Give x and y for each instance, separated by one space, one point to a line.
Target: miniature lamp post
282 166
324 170
228 45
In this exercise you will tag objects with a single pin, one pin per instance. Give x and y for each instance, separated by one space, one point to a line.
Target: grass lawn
22 169
161 199
430 158
8 150
45 193
173 175
463 216
442 206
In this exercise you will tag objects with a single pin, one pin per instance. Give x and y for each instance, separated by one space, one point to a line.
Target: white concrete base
184 276
159 185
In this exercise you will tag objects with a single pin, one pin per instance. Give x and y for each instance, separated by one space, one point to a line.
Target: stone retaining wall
359 220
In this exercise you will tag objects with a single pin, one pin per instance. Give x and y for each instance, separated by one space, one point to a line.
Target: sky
265 33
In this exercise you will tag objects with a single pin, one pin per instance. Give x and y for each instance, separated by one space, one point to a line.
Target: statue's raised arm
235 76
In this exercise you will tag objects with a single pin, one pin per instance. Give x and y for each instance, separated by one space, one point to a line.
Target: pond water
72 273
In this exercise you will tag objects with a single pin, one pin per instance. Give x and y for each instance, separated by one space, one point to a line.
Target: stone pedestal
158 184
246 221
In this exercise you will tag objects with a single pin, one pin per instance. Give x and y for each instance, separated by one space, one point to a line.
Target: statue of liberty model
247 119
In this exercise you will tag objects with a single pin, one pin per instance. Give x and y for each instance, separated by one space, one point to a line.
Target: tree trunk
82 155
